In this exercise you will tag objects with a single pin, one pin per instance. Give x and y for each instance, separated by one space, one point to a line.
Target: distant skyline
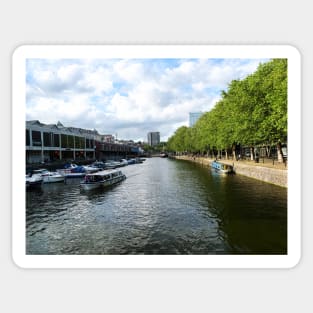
128 97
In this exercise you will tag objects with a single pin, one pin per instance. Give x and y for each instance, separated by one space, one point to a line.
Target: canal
163 207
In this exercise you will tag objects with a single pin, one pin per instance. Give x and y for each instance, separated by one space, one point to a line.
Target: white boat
90 169
135 161
102 179
49 177
123 162
99 165
33 181
110 164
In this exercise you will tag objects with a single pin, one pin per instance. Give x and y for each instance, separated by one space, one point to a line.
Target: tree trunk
268 151
251 153
279 153
234 151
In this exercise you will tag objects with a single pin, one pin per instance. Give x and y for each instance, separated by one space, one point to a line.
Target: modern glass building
193 117
153 138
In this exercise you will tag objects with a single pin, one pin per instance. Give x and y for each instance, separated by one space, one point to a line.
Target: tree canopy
251 112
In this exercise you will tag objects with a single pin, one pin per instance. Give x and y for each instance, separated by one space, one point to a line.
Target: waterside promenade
266 171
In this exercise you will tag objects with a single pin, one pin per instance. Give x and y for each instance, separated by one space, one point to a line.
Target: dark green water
163 207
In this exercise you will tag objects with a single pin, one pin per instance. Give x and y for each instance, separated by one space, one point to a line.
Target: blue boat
221 167
72 171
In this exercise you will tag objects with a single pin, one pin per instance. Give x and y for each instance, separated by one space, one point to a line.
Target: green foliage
155 149
252 111
180 141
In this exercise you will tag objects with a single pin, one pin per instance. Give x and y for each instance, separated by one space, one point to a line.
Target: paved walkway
265 171
262 162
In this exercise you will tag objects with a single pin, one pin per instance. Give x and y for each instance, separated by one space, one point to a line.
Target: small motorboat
135 161
123 162
110 164
91 169
72 171
33 181
99 165
49 177
131 161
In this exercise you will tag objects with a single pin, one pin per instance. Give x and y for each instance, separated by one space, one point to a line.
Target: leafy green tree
251 112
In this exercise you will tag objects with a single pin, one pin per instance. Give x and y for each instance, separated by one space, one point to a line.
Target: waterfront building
193 117
50 142
107 138
153 138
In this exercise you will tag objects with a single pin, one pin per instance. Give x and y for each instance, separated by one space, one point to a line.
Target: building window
70 141
79 142
36 138
47 139
63 141
87 143
56 140
27 138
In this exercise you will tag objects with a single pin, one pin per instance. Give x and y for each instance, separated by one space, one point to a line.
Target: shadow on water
252 215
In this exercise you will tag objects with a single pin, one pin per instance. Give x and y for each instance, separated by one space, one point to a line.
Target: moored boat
135 161
98 164
123 162
111 164
33 181
102 179
222 168
49 177
72 171
91 168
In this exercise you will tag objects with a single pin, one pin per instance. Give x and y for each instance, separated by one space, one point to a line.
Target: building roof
59 127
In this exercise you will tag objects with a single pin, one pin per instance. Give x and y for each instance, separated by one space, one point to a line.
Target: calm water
163 207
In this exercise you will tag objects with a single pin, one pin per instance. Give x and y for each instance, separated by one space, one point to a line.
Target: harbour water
163 207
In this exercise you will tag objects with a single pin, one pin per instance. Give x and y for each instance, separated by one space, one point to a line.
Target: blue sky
127 97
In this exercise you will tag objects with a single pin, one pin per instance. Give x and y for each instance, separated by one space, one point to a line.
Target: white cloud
129 97
99 81
50 110
129 71
198 86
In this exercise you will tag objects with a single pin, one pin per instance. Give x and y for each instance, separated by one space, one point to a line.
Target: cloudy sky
127 97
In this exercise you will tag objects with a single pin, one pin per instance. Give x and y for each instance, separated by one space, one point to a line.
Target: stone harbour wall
267 174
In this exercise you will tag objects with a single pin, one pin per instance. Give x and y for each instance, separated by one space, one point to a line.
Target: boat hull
33 182
53 179
66 173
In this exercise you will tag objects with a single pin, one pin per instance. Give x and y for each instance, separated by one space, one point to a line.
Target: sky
128 97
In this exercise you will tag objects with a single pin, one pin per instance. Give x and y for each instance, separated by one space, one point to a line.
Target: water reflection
163 207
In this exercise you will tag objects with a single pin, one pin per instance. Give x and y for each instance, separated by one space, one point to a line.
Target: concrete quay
268 172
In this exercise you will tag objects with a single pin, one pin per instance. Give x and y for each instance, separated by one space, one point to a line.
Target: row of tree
252 112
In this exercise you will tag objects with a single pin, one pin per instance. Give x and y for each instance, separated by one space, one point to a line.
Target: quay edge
273 176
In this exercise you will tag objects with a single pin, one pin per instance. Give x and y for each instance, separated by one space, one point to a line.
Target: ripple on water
163 207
